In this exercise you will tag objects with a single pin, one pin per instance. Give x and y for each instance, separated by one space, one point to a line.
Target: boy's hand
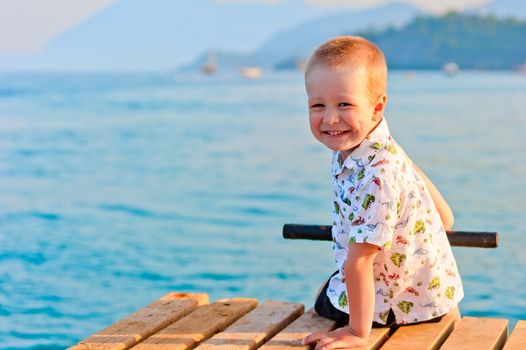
339 338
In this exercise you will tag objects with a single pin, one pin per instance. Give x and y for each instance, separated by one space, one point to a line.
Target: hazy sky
27 26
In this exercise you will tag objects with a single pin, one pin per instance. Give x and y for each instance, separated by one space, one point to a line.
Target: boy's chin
333 145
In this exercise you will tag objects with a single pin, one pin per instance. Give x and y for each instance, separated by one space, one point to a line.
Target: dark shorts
324 307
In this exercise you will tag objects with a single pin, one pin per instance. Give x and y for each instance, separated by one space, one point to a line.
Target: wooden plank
478 334
255 328
290 338
141 324
517 340
201 324
423 336
377 338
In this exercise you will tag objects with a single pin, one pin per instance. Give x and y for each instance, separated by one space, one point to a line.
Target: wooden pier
185 321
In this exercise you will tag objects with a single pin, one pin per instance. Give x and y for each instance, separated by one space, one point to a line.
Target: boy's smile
340 112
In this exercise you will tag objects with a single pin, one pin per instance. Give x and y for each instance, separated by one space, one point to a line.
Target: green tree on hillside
471 41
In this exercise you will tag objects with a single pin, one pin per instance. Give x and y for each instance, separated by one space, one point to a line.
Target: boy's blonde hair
356 53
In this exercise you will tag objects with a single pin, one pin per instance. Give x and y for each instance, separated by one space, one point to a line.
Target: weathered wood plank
423 336
144 322
255 328
517 340
201 324
377 338
290 338
478 334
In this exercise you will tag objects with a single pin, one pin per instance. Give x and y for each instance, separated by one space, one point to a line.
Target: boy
390 245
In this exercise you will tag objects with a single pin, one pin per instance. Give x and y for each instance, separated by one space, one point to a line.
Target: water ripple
37 258
48 311
137 211
47 216
221 276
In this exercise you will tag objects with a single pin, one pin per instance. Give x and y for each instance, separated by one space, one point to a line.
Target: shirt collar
362 154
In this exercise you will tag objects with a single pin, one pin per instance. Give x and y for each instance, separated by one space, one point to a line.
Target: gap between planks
517 340
255 328
199 325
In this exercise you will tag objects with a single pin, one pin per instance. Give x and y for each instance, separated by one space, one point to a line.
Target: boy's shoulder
379 158
386 169
389 156
377 146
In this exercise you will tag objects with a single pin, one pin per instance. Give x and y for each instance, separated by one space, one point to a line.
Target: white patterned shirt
380 199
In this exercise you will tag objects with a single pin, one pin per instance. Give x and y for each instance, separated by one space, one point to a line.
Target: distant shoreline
225 72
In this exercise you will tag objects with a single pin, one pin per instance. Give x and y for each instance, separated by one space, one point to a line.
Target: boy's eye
317 105
344 104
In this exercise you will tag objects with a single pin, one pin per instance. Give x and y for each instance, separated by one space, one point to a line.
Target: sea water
118 188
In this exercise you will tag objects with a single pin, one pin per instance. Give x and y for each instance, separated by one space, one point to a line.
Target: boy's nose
331 116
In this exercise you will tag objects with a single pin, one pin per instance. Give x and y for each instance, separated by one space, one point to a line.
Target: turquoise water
115 189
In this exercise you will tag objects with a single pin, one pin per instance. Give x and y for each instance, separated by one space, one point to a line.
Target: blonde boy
395 265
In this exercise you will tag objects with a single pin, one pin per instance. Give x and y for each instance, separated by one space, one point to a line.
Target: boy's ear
379 108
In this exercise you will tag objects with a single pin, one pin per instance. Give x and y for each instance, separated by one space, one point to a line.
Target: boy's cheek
314 119
314 128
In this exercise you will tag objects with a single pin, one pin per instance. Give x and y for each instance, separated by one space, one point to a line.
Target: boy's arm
359 281
446 215
360 291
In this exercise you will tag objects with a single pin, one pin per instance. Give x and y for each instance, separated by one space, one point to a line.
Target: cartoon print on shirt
346 200
377 182
380 162
434 284
382 292
377 146
430 304
359 221
403 223
420 227
412 291
368 200
391 149
372 227
342 300
398 259
401 240
450 273
405 306
420 251
450 292
383 316
337 208
361 174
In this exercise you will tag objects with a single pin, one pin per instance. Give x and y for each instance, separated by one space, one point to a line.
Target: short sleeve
373 210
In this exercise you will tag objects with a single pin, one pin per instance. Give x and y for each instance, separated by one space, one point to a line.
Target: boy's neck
346 153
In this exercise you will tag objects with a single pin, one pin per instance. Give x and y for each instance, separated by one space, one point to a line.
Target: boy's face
340 112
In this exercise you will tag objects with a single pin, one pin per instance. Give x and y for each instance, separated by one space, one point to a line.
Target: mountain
503 9
304 38
161 34
299 41
471 41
